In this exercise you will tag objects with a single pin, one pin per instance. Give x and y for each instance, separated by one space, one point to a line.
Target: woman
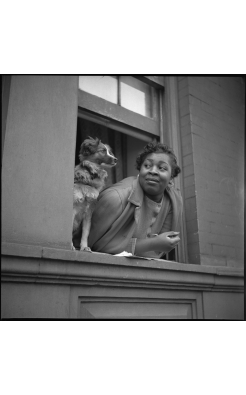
140 214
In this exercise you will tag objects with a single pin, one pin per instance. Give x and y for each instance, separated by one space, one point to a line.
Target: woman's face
155 174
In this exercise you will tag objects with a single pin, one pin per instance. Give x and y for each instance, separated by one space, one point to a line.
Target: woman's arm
164 242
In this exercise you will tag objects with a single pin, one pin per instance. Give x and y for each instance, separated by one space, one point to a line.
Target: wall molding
28 264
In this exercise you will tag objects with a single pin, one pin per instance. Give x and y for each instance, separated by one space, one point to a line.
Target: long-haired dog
89 180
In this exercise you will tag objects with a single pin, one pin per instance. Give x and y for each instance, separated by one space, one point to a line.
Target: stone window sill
56 254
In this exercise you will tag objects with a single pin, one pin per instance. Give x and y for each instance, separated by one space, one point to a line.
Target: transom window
128 104
125 91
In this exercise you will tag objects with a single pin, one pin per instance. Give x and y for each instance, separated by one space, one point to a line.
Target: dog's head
95 151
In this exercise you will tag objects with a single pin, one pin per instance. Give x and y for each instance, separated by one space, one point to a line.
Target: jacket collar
136 196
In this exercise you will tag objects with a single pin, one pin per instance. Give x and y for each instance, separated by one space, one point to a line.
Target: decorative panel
132 308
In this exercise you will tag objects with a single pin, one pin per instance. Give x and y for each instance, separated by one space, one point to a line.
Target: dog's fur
89 180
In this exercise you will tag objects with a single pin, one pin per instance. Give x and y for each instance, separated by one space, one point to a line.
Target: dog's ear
89 146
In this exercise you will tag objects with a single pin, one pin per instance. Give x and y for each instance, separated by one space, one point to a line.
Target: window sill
80 258
42 282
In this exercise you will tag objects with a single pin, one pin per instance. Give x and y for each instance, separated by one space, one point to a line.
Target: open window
125 112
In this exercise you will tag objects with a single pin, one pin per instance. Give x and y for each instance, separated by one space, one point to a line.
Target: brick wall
212 136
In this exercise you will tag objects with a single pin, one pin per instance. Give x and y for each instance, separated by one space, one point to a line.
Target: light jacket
118 212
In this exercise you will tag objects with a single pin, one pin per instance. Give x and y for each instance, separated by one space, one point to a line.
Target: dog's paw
85 249
72 247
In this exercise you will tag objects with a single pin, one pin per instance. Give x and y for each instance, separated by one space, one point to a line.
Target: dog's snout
114 161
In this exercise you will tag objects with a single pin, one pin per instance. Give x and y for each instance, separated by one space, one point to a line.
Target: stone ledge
81 268
20 250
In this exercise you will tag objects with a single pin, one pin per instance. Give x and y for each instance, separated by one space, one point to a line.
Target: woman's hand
164 242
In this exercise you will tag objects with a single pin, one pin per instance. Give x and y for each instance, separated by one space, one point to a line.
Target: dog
89 180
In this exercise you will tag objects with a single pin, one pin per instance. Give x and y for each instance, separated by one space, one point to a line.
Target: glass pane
100 85
139 97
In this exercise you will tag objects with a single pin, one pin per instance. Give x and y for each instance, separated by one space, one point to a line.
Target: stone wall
212 131
38 160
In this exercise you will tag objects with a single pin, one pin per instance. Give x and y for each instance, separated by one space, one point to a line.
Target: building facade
45 119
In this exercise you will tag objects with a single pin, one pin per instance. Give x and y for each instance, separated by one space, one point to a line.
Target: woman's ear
171 183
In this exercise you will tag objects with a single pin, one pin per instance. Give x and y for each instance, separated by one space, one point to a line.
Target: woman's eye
147 166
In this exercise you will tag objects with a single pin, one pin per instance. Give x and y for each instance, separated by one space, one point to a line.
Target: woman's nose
153 170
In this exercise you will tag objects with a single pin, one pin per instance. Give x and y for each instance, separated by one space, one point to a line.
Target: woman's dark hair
155 147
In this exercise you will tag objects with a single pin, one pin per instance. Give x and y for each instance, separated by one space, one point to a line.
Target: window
126 91
139 97
101 86
130 105
124 112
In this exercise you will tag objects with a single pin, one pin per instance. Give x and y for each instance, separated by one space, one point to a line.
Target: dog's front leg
86 226
72 246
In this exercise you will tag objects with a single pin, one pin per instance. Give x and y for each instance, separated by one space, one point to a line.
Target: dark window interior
124 147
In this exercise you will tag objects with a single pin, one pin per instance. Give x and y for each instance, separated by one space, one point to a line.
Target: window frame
167 128
120 118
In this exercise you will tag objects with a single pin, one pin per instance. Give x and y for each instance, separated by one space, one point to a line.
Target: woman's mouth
152 180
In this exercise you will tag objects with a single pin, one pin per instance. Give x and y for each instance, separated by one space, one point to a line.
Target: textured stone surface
68 284
212 135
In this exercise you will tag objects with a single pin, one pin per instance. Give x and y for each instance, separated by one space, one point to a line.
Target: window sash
117 116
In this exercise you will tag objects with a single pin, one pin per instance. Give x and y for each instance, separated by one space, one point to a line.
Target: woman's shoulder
125 184
121 189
